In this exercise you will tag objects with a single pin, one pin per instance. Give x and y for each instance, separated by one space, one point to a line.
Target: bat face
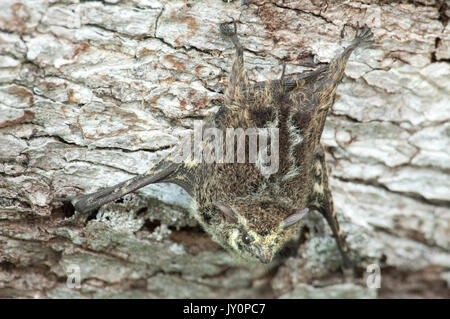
250 228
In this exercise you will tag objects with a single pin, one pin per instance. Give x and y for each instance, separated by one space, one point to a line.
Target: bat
250 211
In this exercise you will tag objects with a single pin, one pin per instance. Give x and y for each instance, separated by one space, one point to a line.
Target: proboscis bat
249 212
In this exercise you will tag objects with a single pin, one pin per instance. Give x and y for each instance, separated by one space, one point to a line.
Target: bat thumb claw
226 29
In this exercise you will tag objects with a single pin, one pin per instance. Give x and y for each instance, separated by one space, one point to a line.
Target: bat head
254 230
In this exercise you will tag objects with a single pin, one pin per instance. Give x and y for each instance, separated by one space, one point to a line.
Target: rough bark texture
92 93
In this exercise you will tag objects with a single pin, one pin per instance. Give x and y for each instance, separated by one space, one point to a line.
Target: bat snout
263 254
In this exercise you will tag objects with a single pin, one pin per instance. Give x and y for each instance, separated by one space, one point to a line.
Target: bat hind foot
363 35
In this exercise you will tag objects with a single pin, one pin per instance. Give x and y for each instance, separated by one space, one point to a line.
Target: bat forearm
89 202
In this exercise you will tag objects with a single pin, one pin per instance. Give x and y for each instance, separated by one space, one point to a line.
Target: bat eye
246 239
226 211
294 218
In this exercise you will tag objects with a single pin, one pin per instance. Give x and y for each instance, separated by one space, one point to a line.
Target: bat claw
363 35
226 30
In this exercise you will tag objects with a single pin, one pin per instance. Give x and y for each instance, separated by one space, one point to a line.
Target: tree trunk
92 93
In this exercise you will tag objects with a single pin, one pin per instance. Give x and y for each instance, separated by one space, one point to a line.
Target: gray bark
92 93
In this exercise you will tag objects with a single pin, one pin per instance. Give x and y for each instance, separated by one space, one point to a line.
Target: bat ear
226 211
294 218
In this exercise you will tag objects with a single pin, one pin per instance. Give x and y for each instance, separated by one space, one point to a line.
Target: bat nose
265 259
264 255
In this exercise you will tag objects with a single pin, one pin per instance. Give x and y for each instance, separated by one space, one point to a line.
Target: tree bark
92 93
